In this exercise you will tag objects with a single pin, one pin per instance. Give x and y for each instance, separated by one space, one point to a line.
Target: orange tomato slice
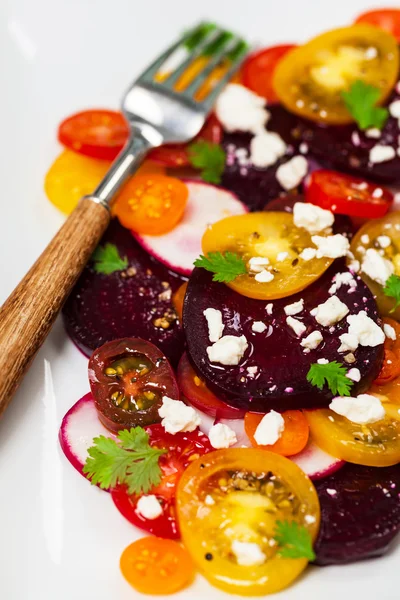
156 566
294 437
178 298
391 362
150 204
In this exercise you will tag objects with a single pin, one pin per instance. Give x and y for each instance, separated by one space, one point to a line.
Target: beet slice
102 307
282 365
360 513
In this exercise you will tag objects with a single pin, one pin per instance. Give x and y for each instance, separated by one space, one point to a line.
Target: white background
59 537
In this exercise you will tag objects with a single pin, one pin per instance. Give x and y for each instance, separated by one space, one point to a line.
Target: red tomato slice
198 394
176 155
384 18
348 195
96 133
259 68
183 448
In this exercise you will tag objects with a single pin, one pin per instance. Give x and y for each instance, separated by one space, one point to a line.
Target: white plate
61 538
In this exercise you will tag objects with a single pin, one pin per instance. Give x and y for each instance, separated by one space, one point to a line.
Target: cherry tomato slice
259 68
97 133
387 19
310 79
294 437
128 379
183 448
266 234
391 362
348 195
178 298
156 566
238 495
198 394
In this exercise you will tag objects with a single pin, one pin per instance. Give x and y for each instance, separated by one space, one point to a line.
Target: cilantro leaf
360 101
294 540
208 157
128 460
107 259
333 374
198 34
392 289
226 267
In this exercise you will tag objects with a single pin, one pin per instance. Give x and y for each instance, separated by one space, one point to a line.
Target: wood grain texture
28 314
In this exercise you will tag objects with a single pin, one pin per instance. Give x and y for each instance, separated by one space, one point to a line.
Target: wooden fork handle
28 314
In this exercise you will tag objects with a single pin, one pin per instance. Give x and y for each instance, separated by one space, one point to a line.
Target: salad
241 320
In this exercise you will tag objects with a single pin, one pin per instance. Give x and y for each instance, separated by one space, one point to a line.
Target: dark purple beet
101 307
360 513
283 366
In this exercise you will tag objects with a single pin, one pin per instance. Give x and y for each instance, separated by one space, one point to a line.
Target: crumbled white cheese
291 173
312 341
297 326
384 241
362 410
303 148
264 276
228 350
257 264
149 507
269 429
331 311
295 308
239 109
222 436
266 148
248 554
376 266
269 308
354 374
373 132
308 254
209 500
377 193
322 361
394 109
354 266
379 154
349 342
365 238
332 246
282 256
370 53
340 279
252 371
177 416
365 329
389 331
214 322
258 327
312 218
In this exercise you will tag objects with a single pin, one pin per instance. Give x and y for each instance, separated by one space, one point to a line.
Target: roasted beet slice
360 513
132 303
280 382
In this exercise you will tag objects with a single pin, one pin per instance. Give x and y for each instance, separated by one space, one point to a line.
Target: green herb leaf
198 34
392 289
226 267
360 101
333 374
128 460
107 259
208 157
294 540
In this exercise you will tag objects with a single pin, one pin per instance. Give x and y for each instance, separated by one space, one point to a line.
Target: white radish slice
179 248
315 462
78 428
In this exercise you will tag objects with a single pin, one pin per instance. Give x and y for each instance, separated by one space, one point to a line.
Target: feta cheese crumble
248 554
264 276
331 311
295 308
332 246
269 308
257 264
266 148
297 326
228 350
282 256
258 327
376 266
367 332
269 429
354 374
342 279
177 416
362 410
389 331
291 173
214 322
312 341
349 342
379 154
308 254
222 436
394 109
384 241
373 133
149 507
239 109
312 218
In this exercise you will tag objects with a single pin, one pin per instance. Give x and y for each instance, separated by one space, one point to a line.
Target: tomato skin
391 362
294 437
259 67
178 299
387 19
198 394
341 194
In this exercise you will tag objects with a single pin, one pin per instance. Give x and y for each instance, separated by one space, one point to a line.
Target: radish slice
78 428
179 248
315 462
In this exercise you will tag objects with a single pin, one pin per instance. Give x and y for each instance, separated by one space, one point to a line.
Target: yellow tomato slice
266 234
310 79
236 496
373 235
376 444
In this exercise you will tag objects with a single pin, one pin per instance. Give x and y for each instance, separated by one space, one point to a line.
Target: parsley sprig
225 266
360 101
333 374
209 158
107 259
392 289
128 460
294 540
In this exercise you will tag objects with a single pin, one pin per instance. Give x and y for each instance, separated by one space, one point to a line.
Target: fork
157 114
